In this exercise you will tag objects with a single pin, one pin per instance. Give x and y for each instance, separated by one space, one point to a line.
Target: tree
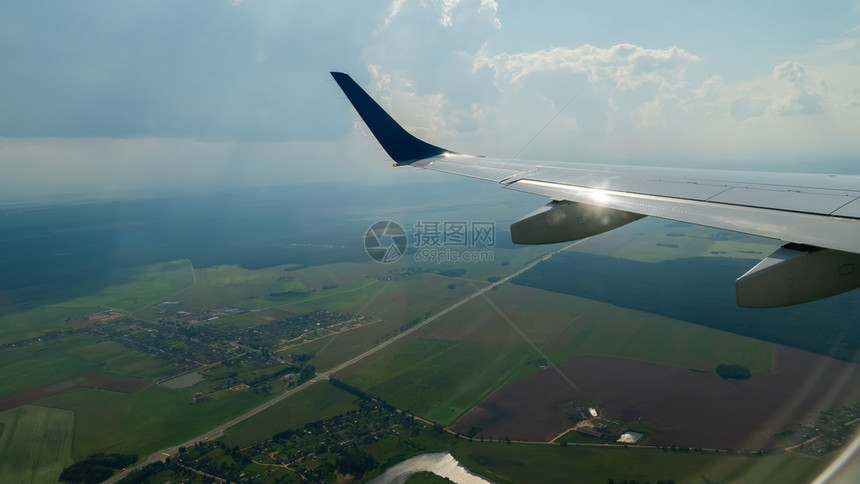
356 462
735 372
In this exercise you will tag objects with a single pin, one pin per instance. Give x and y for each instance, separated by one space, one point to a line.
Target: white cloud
444 68
627 65
395 9
491 7
800 95
447 9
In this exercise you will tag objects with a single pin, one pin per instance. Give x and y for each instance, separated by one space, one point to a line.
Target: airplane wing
818 216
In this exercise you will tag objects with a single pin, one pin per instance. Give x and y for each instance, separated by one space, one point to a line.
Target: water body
441 463
183 381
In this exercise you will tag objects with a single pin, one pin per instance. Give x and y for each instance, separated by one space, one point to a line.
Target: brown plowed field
102 381
682 407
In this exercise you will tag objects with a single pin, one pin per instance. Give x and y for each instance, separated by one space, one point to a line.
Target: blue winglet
401 146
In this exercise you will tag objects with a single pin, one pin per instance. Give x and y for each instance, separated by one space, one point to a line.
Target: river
441 463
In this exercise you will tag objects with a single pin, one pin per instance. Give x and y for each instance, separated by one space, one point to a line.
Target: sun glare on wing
599 196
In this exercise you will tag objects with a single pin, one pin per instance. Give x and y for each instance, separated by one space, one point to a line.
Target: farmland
36 443
700 290
530 463
427 376
319 402
439 380
240 329
751 412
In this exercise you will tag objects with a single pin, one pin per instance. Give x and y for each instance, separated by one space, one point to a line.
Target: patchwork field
741 414
60 360
89 379
448 366
654 240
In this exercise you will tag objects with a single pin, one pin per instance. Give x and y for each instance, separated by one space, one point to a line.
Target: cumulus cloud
250 83
626 64
395 9
801 96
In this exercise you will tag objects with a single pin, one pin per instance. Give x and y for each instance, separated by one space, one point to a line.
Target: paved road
217 432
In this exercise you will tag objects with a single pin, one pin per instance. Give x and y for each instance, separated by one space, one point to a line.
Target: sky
106 98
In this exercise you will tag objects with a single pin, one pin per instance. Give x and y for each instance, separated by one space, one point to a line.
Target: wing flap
490 173
822 231
791 200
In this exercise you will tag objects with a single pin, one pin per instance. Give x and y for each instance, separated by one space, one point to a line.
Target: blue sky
105 97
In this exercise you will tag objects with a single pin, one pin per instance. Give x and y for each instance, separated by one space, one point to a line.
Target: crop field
36 443
339 274
239 287
341 299
32 323
331 351
751 412
495 339
552 463
403 299
272 287
612 331
318 402
422 296
565 327
655 240
58 360
505 261
436 379
143 286
146 421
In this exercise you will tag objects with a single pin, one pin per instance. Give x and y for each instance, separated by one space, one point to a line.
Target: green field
32 323
36 443
438 380
58 360
144 286
146 421
150 284
448 366
552 463
331 351
318 402
564 327
655 240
